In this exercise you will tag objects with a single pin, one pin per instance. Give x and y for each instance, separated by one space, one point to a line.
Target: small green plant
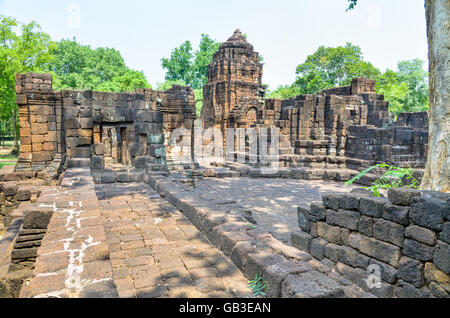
259 286
392 178
251 226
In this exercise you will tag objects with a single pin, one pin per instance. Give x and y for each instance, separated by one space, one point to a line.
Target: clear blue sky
285 32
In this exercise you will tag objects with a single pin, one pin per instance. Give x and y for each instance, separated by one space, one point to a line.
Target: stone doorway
116 139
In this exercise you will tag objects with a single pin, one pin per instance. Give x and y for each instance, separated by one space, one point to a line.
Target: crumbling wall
403 240
402 146
40 119
83 128
177 105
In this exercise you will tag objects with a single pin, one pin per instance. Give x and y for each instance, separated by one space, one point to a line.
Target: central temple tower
234 96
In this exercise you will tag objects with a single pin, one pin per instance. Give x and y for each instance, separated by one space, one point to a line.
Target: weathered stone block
397 214
147 128
354 239
157 139
332 252
43 156
388 231
303 218
99 149
331 216
9 188
86 123
372 206
417 250
23 195
331 201
275 275
441 256
402 196
157 151
72 123
301 240
411 271
39 129
379 250
365 225
317 248
311 285
258 262
421 234
81 152
348 219
388 273
330 233
349 201
407 290
317 212
138 149
350 256
445 234
37 219
432 274
427 213
97 163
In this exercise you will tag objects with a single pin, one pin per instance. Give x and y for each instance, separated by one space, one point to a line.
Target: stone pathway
155 250
273 202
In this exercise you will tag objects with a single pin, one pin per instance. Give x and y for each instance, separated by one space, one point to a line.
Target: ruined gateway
108 198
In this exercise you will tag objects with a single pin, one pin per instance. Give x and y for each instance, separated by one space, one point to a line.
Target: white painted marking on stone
158 220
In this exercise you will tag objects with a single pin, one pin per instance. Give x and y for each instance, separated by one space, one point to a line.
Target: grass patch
2 164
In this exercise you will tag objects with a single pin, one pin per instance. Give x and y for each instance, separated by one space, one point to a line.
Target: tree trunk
437 172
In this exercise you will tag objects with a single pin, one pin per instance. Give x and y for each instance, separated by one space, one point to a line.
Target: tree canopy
189 66
330 67
23 48
79 66
406 89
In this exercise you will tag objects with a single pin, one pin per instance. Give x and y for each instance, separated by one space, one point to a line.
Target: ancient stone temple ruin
234 96
108 198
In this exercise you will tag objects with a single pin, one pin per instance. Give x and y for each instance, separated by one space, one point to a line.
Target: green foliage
259 286
413 75
23 48
103 69
351 4
407 90
330 67
285 92
393 177
252 226
198 92
188 66
394 91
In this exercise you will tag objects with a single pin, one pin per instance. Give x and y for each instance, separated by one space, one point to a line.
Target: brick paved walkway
273 202
157 252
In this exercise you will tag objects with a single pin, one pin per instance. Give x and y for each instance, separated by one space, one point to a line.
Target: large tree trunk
437 172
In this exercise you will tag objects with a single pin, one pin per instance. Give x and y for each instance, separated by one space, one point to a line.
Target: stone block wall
70 128
406 237
415 120
397 145
179 114
40 120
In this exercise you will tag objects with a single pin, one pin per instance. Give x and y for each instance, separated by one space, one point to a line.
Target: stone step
79 163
